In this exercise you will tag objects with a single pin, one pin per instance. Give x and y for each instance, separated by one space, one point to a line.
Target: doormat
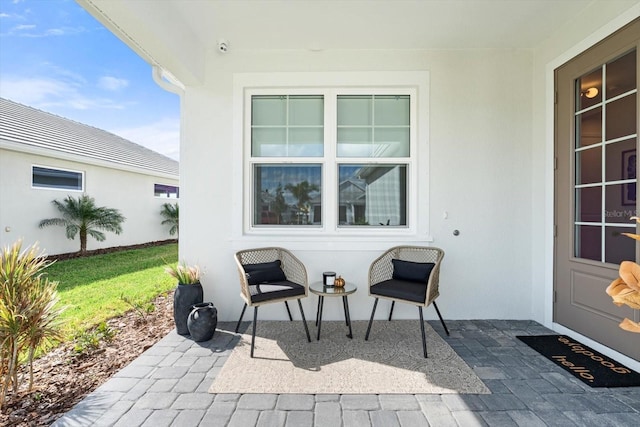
586 364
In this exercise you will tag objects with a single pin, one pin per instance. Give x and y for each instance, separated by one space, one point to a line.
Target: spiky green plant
82 216
28 312
171 214
185 274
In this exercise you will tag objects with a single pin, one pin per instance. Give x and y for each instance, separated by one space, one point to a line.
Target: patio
168 385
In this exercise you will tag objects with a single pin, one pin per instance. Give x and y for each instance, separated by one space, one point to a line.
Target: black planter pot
202 321
184 297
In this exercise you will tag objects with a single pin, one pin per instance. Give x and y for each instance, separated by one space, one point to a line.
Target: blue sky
56 57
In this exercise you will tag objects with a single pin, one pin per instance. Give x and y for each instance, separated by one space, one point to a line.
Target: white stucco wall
479 169
22 207
489 168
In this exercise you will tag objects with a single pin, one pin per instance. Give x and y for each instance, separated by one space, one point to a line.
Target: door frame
549 215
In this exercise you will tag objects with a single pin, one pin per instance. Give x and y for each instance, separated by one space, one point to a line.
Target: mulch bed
63 377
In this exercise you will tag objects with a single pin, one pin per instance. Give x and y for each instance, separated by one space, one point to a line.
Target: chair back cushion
412 271
264 272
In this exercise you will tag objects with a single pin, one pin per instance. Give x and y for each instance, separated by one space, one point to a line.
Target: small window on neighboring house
57 179
166 191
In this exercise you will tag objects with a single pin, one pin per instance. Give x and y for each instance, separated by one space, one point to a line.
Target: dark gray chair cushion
412 271
275 290
401 289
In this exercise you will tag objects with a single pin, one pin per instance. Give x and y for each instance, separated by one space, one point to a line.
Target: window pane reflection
372 195
287 195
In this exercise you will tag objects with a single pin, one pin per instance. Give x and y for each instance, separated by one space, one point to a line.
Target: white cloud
4 15
24 27
162 136
45 93
112 83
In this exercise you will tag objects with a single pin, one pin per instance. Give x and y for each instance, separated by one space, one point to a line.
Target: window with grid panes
330 160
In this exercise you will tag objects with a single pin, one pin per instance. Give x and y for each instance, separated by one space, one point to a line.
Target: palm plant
302 192
171 213
82 216
28 312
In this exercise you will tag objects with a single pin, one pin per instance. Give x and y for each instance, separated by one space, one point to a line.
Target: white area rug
390 362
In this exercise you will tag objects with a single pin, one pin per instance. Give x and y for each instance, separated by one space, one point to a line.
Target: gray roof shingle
35 128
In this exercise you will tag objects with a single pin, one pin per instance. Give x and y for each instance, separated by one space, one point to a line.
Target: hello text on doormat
586 364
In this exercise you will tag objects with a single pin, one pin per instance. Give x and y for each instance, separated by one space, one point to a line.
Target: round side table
322 291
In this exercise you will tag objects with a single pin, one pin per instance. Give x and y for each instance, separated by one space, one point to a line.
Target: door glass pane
588 241
589 204
621 160
621 75
589 128
287 195
589 90
621 117
618 247
589 166
617 207
372 195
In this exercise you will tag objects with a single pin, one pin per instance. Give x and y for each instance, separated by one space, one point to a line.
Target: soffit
179 34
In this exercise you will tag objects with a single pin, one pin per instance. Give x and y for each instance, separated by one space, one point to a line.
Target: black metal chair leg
253 334
304 321
375 304
320 317
241 316
288 311
424 339
441 320
393 303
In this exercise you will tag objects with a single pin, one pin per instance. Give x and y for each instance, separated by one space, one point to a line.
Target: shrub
28 312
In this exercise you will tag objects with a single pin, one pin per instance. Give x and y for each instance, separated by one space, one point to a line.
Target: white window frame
415 84
55 168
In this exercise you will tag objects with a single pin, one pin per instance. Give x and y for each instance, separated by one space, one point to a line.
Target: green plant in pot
187 293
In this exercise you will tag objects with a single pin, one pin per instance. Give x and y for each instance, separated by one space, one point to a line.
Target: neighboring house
45 157
469 115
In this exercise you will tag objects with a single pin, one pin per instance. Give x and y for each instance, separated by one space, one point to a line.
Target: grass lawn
92 287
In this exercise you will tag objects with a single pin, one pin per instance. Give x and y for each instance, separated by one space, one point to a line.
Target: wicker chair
408 274
269 275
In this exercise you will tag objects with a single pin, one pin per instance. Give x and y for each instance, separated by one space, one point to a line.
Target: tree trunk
83 241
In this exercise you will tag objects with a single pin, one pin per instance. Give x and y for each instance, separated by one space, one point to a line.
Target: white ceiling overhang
177 35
